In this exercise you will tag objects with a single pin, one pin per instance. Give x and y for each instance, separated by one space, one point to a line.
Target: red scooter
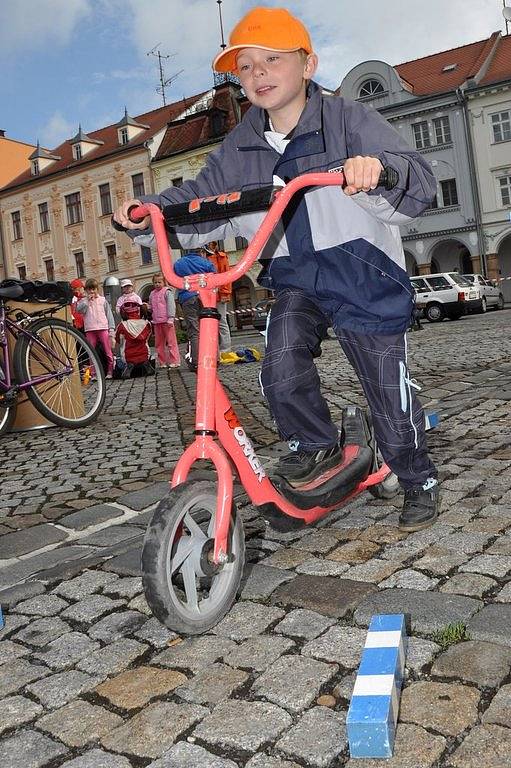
194 550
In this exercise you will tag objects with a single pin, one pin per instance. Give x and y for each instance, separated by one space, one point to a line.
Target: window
105 198
370 88
22 272
44 217
50 269
449 192
241 243
123 136
442 130
505 189
74 208
147 256
439 283
421 135
177 182
77 151
16 225
433 204
111 253
501 124
420 285
80 266
138 185
35 167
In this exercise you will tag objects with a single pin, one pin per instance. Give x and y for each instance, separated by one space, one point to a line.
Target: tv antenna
506 12
164 81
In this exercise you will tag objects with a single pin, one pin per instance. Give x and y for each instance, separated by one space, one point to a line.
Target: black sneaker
299 467
420 508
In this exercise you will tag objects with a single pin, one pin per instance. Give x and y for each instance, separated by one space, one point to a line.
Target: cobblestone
243 725
17 710
57 690
79 723
447 709
136 687
484 664
329 737
487 744
293 682
29 749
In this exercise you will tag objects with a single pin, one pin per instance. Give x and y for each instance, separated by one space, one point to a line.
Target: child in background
78 293
99 322
128 294
192 264
134 331
163 309
220 261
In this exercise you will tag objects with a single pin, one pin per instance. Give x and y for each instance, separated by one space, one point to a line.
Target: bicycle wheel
7 414
185 590
72 397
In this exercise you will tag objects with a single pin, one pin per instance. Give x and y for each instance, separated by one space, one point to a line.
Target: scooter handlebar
228 205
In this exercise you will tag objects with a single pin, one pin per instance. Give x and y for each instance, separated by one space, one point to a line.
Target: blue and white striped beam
372 716
432 419
1 618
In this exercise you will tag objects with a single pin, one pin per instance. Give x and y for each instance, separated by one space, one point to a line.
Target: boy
220 261
336 258
192 264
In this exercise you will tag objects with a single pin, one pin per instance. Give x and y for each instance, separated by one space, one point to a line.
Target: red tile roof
156 119
500 67
426 75
195 130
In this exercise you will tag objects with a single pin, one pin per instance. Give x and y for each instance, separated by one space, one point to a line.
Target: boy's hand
121 216
361 174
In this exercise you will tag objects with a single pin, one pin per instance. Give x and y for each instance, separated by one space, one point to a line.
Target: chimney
2 134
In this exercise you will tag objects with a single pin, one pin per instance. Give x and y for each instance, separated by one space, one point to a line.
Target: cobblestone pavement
88 679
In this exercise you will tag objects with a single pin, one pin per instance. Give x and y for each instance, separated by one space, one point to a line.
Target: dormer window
77 151
35 167
370 88
123 136
217 120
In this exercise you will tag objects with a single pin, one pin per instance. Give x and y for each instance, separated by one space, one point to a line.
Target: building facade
488 106
425 101
56 216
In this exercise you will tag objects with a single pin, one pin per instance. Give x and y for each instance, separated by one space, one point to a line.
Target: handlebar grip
130 209
388 178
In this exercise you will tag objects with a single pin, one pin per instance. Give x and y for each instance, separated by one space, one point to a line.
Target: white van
445 294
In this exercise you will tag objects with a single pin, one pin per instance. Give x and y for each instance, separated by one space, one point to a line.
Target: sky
70 62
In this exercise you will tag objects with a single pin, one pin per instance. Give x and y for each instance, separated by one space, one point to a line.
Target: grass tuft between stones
450 635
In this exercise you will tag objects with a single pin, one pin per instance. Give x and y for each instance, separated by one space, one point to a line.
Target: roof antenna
164 81
506 12
223 77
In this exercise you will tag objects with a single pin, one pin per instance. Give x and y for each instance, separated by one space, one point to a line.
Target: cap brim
226 60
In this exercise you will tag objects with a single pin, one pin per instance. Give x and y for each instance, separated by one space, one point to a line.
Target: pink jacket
97 314
163 306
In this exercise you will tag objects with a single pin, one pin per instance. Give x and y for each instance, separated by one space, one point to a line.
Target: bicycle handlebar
225 206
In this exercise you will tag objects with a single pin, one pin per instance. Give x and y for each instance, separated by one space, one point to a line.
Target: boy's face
275 80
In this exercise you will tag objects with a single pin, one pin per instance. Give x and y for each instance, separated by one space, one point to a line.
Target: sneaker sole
334 461
417 526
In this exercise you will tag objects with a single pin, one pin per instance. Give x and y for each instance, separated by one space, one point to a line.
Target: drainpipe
462 100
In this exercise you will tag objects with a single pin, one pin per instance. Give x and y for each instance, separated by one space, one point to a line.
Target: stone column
476 264
492 263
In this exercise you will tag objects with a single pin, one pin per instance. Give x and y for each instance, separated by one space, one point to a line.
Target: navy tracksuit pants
292 386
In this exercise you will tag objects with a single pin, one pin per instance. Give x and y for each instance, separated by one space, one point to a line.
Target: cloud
30 25
56 130
344 34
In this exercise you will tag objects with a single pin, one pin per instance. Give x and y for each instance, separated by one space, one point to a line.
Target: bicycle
53 364
193 551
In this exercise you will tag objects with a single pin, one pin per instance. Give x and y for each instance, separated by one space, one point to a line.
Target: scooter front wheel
184 588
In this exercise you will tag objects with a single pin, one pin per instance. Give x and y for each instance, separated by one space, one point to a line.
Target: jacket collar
311 121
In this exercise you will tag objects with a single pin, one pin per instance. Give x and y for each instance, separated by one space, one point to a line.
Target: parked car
445 294
490 293
261 312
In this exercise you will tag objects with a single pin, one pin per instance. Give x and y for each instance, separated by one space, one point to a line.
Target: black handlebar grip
388 178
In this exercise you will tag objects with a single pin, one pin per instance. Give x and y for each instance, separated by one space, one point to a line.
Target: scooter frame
219 435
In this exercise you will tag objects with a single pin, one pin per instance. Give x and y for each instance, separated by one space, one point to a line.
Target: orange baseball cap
273 29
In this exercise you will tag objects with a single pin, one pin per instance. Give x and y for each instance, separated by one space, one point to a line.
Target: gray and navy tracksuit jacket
344 252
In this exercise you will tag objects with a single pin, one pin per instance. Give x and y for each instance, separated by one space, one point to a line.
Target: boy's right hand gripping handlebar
226 206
